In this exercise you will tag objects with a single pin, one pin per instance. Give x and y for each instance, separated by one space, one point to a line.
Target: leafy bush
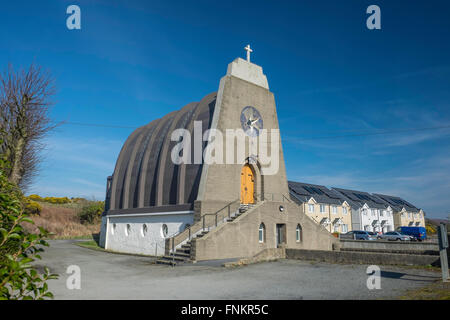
430 229
92 212
19 279
32 207
54 200
34 197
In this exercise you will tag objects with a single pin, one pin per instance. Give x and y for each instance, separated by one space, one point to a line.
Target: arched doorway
247 184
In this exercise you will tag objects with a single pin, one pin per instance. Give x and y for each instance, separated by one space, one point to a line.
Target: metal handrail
228 206
173 235
271 197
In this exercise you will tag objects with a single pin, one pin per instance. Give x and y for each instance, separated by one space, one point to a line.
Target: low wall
397 246
356 257
270 254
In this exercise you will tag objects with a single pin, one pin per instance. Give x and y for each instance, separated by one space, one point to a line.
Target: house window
262 229
344 228
144 230
298 233
382 213
373 212
310 208
344 210
334 209
164 230
336 228
322 208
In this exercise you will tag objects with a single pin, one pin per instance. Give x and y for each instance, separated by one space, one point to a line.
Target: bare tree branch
25 102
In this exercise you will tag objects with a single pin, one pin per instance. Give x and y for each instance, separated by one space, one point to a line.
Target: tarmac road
114 276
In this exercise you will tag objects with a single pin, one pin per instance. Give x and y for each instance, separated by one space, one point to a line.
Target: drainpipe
106 232
329 217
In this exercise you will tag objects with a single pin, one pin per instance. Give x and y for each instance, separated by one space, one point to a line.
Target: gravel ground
114 276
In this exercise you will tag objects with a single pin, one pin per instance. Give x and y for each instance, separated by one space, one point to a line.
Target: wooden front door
247 184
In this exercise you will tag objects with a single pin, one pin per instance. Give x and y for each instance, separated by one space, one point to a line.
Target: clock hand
254 121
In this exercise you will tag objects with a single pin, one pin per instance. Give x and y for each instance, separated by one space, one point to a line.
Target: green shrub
92 212
19 279
32 207
34 197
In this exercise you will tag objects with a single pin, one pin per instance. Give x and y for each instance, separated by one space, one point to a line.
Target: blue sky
339 87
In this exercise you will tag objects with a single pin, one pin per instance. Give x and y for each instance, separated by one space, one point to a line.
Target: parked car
374 234
395 236
358 235
418 233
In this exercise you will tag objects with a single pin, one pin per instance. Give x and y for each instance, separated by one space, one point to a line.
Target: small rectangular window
344 210
311 208
334 208
322 208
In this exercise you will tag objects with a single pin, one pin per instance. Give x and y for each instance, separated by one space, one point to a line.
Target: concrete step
166 262
174 257
183 250
202 234
184 255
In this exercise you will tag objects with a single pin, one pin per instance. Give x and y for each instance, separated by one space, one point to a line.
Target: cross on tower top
248 52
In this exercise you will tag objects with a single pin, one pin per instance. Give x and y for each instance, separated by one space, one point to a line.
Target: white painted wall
368 218
152 242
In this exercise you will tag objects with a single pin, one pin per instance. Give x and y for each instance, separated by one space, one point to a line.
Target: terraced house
369 212
405 214
326 207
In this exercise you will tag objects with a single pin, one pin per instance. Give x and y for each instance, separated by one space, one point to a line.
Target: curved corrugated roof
145 175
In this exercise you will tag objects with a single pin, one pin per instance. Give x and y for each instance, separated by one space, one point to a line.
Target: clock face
251 121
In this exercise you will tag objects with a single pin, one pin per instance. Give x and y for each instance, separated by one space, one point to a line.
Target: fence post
203 222
173 252
216 220
443 245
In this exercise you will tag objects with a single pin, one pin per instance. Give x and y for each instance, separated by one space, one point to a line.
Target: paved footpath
114 276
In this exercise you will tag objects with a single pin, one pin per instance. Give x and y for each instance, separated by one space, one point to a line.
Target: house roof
357 199
301 192
397 203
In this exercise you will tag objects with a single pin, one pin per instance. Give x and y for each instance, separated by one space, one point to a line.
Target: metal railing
279 197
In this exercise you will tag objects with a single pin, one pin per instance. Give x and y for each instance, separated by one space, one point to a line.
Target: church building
208 181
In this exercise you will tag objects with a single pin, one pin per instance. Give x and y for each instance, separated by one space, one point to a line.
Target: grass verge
90 245
436 291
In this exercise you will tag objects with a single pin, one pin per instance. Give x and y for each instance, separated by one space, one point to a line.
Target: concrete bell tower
246 109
